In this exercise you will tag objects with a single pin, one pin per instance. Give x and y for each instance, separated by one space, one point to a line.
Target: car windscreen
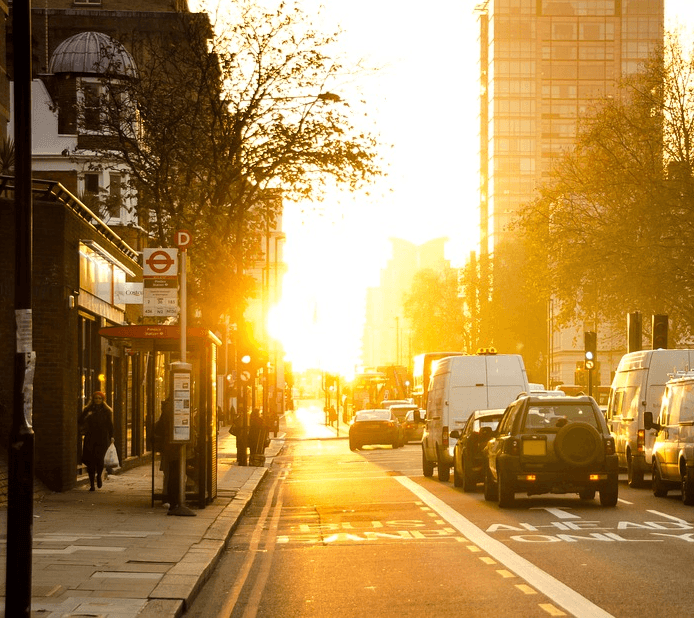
557 415
373 415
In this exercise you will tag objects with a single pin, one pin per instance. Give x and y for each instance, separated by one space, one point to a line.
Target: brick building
77 263
82 261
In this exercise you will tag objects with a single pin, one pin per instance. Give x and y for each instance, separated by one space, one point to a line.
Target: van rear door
506 378
468 389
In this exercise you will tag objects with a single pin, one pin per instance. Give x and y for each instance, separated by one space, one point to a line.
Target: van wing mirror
648 422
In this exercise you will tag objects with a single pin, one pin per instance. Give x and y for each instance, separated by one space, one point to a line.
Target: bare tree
214 127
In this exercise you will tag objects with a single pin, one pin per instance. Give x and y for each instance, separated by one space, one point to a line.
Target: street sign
181 403
160 297
183 239
160 262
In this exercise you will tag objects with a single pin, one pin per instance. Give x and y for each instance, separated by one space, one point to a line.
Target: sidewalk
110 554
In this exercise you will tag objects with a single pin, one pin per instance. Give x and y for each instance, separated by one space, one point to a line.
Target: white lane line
559 593
666 516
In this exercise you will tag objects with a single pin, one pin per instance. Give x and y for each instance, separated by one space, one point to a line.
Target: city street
364 533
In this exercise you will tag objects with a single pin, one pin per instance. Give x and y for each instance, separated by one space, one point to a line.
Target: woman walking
97 417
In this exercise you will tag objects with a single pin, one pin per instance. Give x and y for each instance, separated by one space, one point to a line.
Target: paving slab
111 554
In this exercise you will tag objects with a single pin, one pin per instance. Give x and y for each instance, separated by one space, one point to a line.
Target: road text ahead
573 529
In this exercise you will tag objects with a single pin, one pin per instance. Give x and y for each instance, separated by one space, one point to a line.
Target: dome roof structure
92 53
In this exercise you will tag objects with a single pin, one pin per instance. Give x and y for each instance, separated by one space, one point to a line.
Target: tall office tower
543 63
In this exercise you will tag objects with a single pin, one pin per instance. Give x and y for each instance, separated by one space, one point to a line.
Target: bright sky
425 103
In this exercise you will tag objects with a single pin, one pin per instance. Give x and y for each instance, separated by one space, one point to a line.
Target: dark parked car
375 427
469 459
552 445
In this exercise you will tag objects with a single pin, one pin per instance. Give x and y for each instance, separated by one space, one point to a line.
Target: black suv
552 445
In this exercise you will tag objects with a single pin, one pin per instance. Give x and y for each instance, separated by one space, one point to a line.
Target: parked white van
638 387
673 449
459 385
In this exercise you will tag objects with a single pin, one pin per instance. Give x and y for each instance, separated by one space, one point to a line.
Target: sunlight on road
308 420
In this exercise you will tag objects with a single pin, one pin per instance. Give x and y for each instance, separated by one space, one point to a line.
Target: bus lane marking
592 527
365 531
559 593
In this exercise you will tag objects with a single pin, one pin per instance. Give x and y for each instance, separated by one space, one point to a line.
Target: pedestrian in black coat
257 434
97 419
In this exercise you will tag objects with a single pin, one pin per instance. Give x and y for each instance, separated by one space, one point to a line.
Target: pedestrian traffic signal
590 339
660 328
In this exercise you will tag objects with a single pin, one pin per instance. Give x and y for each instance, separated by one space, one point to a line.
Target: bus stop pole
182 510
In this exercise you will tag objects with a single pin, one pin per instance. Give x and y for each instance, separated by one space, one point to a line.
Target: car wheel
457 477
352 445
427 466
634 478
506 494
586 494
489 488
608 495
687 490
444 470
469 483
395 443
578 444
659 488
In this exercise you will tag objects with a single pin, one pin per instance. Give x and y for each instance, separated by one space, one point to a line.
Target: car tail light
641 441
512 447
527 477
609 446
444 437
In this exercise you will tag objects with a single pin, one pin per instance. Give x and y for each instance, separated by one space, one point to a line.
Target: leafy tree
612 231
435 312
517 312
217 132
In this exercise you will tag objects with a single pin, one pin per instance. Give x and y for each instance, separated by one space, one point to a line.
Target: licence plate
534 447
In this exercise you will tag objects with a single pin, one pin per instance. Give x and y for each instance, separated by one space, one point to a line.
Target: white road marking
560 593
557 512
666 516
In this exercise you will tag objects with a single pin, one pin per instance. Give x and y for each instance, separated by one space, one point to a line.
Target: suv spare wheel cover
578 444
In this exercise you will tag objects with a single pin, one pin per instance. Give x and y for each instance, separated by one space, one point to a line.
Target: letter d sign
183 239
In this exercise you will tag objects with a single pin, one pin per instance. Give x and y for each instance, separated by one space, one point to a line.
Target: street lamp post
279 401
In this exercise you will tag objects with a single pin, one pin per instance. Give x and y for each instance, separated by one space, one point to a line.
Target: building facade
86 259
543 64
387 335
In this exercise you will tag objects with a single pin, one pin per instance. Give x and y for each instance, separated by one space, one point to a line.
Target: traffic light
634 332
660 328
590 339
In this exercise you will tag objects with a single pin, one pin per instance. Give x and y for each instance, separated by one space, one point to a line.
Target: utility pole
20 491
